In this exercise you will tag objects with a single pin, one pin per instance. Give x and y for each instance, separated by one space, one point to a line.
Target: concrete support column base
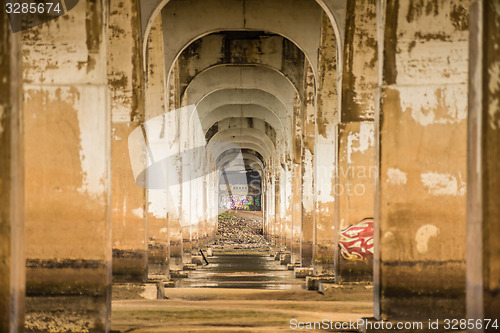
69 313
130 265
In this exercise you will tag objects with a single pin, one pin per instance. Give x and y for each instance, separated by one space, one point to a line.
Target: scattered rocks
189 267
302 272
178 274
313 282
236 232
197 260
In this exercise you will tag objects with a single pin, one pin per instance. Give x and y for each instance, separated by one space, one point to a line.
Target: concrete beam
275 16
241 48
250 135
243 111
241 77
236 122
233 96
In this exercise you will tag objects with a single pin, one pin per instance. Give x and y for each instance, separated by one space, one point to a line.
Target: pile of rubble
239 233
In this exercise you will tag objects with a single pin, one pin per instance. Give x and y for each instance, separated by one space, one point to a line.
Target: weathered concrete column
307 167
157 199
355 164
67 168
265 218
276 208
279 221
130 233
421 141
174 205
288 207
12 278
325 152
270 207
483 214
354 190
297 183
185 214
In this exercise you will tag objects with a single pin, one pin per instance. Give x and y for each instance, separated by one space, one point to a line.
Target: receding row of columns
396 140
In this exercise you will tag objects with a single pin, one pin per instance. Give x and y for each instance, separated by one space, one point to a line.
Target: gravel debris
235 232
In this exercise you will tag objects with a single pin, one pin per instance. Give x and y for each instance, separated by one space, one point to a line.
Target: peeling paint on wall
2 108
360 142
157 203
307 202
325 168
435 106
139 212
423 235
443 184
494 89
93 154
396 176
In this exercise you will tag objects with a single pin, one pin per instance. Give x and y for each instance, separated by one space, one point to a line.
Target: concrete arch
243 142
232 134
245 152
227 157
335 10
242 77
224 47
247 163
248 160
242 111
243 123
258 97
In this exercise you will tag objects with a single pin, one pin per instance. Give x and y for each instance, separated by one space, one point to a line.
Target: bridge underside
366 132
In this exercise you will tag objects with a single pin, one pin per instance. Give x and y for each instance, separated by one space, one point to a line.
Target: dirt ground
229 309
238 310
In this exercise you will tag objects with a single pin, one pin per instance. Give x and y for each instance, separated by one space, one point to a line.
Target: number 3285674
32 8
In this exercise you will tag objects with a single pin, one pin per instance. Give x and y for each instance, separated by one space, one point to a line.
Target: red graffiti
356 241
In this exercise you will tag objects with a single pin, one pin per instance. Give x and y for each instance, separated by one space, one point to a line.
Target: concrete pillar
355 164
325 152
270 207
354 192
279 222
297 183
67 168
483 215
175 191
282 207
12 279
157 199
288 207
421 141
186 209
130 233
276 208
308 136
